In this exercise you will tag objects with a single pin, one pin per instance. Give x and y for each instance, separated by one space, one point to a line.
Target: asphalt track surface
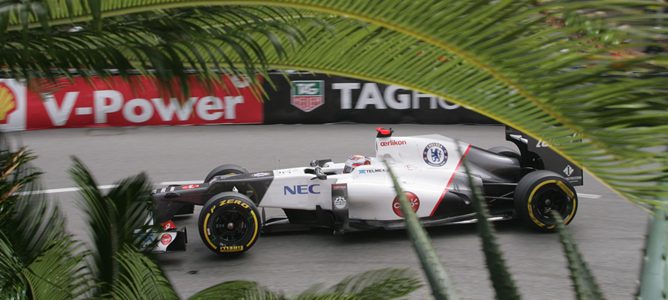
609 230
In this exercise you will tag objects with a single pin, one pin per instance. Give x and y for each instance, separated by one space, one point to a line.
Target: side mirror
319 173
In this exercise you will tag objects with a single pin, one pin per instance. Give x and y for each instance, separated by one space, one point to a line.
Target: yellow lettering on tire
206 231
255 229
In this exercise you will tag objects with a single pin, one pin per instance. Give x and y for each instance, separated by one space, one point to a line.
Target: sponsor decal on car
301 189
287 171
339 186
568 170
339 202
168 225
261 174
190 186
393 143
412 199
435 155
372 171
165 239
307 95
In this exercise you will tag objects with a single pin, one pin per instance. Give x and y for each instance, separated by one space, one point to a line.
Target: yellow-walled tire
229 223
541 192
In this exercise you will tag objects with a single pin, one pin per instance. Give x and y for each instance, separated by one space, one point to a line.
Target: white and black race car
358 195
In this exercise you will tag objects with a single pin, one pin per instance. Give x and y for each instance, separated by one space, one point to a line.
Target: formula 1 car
359 195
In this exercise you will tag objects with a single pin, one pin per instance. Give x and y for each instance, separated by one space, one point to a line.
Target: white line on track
67 190
181 182
590 196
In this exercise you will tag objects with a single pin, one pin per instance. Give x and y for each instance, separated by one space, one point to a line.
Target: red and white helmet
355 161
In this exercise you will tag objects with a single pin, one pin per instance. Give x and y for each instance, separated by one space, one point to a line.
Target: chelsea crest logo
435 155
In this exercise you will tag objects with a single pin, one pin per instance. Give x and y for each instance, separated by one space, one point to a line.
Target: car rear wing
538 155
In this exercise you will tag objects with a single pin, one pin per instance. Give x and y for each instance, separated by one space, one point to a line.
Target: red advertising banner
115 102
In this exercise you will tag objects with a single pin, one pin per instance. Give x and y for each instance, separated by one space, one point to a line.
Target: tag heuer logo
568 170
307 95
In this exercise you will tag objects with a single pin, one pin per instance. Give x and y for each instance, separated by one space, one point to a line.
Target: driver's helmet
355 161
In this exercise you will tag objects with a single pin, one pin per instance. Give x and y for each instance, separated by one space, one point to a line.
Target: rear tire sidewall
212 223
529 196
226 169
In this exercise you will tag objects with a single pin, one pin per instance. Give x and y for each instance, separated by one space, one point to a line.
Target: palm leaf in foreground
441 286
140 277
170 45
654 272
499 274
38 259
238 289
376 284
584 283
119 222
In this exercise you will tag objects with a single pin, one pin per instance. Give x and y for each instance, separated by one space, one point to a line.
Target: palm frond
654 270
499 273
13 283
60 272
116 220
238 289
158 43
140 277
584 282
439 281
378 284
36 253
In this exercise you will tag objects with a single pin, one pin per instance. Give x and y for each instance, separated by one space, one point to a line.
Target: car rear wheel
539 193
227 169
229 223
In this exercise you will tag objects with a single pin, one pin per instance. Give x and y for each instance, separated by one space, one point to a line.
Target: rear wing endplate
538 154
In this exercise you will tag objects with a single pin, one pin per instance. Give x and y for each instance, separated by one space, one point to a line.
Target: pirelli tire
541 192
229 223
226 169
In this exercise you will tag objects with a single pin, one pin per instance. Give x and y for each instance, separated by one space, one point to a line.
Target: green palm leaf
439 281
238 289
499 274
116 221
375 284
584 282
38 259
378 284
158 43
140 277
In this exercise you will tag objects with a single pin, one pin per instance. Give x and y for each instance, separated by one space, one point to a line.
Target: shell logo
7 102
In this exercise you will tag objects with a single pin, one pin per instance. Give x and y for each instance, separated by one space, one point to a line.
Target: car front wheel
229 223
